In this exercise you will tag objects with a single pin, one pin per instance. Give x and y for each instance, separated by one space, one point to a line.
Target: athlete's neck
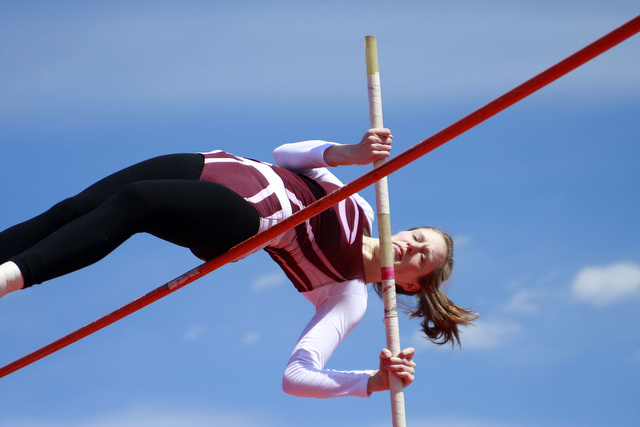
371 259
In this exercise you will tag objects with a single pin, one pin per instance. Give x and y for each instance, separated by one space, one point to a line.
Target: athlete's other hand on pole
401 366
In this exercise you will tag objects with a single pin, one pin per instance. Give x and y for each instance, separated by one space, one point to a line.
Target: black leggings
162 196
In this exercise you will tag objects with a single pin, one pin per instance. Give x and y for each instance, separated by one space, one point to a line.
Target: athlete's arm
375 145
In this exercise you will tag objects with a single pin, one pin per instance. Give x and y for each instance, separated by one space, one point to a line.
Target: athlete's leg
21 237
203 216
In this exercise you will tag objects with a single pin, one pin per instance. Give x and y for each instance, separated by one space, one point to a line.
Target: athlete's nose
412 248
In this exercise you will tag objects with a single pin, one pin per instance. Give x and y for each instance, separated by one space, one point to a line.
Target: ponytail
441 317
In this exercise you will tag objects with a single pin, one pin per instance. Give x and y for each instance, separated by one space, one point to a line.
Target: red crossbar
563 67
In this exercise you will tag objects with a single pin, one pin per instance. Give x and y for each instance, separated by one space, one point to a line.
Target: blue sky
542 200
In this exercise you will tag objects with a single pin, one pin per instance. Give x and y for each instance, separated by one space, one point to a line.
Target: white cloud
251 338
532 292
608 285
156 417
530 300
455 421
194 332
174 57
268 281
525 301
419 342
461 240
484 334
488 333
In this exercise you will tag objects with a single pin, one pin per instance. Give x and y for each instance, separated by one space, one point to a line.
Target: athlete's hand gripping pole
384 233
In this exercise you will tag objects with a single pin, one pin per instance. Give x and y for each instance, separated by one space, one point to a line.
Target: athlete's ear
410 287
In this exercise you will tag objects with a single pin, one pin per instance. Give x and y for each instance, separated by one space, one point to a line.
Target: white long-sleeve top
339 306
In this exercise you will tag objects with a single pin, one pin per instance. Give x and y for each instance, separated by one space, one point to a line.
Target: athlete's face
416 254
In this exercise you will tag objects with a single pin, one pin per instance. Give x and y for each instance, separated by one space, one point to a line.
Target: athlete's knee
133 199
67 210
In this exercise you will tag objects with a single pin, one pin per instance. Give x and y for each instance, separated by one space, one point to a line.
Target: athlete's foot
10 278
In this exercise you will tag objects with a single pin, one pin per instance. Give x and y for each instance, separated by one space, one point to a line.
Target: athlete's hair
441 317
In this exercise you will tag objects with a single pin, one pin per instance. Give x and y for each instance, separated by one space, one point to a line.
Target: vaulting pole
384 234
480 115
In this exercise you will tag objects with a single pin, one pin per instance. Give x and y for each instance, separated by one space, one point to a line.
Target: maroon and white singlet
323 250
322 256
